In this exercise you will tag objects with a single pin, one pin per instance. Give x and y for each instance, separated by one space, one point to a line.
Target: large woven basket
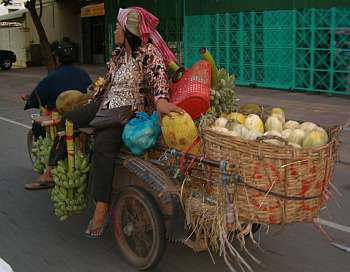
279 184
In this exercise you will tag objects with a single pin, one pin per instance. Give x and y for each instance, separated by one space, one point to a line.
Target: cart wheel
255 227
139 229
30 141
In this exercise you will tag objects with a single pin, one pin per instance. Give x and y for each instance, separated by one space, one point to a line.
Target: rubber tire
4 66
159 238
255 227
30 140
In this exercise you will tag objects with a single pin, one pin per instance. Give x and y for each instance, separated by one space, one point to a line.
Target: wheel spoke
141 251
129 210
141 238
146 240
137 216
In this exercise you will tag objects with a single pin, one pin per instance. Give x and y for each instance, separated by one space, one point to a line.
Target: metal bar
312 49
253 79
332 51
182 154
241 50
227 41
217 42
184 36
197 159
294 29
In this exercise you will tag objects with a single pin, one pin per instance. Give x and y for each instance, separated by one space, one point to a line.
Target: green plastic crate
306 50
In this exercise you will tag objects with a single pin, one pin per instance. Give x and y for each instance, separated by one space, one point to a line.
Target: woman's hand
165 108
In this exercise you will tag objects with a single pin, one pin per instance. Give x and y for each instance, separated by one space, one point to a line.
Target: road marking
346 127
14 122
332 225
342 247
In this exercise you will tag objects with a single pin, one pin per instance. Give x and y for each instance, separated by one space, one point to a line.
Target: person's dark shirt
64 78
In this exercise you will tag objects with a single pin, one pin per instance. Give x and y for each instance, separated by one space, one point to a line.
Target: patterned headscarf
147 28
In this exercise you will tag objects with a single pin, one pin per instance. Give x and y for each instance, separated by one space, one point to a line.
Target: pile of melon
251 127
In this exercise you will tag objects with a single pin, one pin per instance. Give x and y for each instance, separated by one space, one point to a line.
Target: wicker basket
279 184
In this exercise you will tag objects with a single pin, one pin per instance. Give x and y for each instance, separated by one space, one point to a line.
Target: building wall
5 38
59 20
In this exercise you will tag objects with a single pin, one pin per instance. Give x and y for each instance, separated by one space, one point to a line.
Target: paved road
32 240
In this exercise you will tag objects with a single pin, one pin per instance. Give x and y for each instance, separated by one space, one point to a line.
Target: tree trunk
45 45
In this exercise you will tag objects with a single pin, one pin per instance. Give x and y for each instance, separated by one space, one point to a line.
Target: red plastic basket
192 91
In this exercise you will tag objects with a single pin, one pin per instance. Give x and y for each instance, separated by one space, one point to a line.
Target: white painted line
332 225
342 247
346 127
14 122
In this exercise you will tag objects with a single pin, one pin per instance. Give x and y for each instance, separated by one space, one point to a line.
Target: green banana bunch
41 151
222 98
69 194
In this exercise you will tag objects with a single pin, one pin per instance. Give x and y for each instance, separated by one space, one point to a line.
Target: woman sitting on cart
136 77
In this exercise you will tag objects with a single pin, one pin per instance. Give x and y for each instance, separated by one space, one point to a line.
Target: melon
291 125
277 110
324 133
243 131
274 141
285 133
234 134
220 130
239 129
236 116
68 101
280 117
296 136
294 145
251 134
220 122
308 126
314 138
273 123
231 125
253 122
279 113
179 131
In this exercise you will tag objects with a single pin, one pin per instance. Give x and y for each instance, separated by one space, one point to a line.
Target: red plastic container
192 91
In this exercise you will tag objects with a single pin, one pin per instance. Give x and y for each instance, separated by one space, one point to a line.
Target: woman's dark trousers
105 151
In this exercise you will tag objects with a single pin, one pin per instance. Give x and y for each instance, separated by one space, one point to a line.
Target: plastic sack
141 132
4 267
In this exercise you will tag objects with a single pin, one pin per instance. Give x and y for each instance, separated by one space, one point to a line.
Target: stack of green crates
307 50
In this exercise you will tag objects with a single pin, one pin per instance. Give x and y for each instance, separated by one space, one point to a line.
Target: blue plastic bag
141 132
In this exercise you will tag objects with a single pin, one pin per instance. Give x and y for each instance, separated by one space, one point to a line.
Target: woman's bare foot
47 175
98 222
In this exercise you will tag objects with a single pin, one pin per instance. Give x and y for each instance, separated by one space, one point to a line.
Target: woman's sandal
39 185
95 231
